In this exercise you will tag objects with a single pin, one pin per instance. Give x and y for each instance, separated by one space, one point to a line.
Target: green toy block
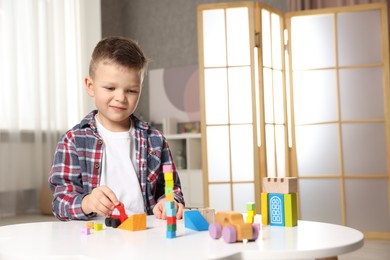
290 210
250 206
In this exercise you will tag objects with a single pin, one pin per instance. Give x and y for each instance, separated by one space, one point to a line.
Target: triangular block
195 221
134 222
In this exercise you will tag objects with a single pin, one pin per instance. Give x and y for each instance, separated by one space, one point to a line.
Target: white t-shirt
118 172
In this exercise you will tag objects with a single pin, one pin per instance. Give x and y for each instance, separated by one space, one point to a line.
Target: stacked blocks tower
251 212
279 202
169 202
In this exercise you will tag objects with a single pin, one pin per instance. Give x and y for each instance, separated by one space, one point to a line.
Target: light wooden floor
372 249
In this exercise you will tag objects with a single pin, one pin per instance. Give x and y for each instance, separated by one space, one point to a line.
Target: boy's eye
109 88
132 91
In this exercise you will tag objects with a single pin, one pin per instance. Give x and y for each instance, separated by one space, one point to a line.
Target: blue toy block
171 234
170 212
195 221
276 209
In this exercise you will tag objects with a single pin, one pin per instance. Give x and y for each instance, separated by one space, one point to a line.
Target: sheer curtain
45 47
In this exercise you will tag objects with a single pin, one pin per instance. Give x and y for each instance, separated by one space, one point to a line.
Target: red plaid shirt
77 167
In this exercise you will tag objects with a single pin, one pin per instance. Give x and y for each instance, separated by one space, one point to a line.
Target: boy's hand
101 200
159 210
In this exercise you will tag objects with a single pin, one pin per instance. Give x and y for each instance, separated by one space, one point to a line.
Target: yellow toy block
264 209
98 226
169 184
290 210
249 219
168 176
251 213
134 222
282 185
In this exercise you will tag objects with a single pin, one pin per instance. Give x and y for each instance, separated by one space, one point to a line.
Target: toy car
231 226
117 217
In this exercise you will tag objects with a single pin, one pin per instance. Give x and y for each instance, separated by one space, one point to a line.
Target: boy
111 156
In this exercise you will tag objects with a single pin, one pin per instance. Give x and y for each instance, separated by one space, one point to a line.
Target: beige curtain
42 64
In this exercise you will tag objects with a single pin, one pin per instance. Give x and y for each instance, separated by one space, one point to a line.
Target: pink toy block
85 230
167 168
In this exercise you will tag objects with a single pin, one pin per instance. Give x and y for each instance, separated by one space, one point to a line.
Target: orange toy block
134 222
282 185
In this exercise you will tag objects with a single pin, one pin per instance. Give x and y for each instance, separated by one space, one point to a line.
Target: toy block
276 209
169 184
171 227
208 214
169 197
290 210
282 185
171 234
195 221
134 222
168 190
250 206
98 226
90 224
169 204
85 230
168 176
264 209
167 168
249 219
251 213
170 212
171 220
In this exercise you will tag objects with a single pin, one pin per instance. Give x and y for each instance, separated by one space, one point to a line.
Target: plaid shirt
76 167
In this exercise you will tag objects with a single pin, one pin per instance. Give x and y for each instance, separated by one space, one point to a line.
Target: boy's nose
120 96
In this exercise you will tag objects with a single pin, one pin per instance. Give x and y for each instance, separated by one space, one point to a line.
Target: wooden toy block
98 226
168 190
195 221
167 168
208 214
171 220
90 224
170 212
251 213
249 219
171 234
169 183
134 222
169 197
169 204
290 210
171 227
168 176
276 209
282 185
251 206
85 230
264 208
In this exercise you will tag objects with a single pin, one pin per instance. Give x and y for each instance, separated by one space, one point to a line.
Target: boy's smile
116 90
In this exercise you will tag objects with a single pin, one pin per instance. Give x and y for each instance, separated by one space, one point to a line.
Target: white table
63 240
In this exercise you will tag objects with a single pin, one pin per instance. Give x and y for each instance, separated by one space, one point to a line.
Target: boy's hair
118 50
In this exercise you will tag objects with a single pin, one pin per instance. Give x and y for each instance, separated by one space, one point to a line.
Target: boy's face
116 90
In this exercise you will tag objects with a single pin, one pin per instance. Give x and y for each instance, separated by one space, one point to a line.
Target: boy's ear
89 86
